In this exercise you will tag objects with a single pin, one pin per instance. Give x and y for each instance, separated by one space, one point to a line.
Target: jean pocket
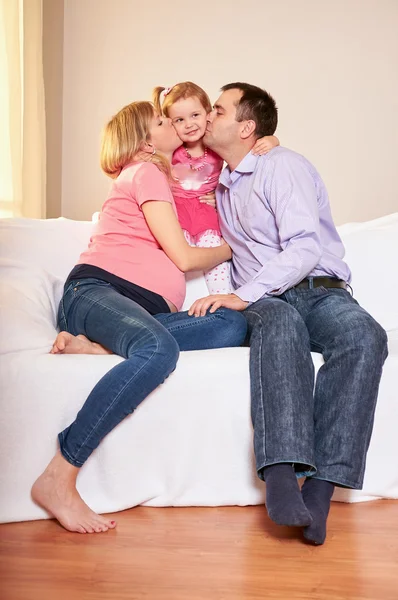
75 290
78 285
315 291
346 293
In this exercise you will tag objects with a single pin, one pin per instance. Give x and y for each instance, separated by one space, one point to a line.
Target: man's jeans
324 432
149 344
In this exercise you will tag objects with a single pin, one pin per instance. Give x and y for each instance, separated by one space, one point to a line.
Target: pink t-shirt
122 242
195 177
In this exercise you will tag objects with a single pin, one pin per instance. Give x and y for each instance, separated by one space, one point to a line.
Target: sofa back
54 245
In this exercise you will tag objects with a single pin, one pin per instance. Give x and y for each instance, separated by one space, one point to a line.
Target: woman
123 296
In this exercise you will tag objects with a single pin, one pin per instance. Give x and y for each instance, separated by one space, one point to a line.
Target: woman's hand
209 199
264 145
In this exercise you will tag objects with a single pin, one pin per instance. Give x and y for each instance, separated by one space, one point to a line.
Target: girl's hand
209 198
264 145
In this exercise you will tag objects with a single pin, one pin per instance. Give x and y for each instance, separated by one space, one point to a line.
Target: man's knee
373 338
275 316
365 334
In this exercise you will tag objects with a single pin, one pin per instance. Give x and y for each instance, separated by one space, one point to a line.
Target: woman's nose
210 116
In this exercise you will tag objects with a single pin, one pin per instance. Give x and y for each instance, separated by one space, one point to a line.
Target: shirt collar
246 165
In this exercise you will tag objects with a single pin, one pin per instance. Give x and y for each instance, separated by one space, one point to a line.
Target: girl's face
163 135
189 119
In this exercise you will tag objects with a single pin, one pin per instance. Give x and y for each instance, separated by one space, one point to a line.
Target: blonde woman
123 297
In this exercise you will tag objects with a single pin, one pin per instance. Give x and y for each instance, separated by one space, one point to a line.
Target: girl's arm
264 145
166 229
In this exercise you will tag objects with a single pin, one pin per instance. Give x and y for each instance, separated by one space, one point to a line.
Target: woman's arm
166 229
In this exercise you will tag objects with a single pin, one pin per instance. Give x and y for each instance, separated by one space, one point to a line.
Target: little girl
196 170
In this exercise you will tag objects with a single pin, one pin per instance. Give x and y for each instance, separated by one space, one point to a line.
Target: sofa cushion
372 254
51 244
29 300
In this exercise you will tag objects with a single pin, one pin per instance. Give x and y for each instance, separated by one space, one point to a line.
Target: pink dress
195 177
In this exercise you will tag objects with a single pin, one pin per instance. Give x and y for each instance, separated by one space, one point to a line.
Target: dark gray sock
283 498
317 495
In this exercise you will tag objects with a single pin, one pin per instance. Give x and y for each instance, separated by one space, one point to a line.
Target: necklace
191 165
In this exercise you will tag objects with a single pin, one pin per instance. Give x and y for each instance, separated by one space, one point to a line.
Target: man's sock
283 498
317 495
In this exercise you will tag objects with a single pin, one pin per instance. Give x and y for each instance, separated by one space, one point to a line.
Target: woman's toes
80 529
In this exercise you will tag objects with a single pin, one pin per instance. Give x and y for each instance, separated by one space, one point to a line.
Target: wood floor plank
227 553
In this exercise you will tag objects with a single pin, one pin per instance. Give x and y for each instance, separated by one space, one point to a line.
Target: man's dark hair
255 105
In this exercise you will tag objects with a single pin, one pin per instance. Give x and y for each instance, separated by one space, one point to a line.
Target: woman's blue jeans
324 431
149 344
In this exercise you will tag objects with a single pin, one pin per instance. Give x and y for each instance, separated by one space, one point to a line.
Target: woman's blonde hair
123 137
186 89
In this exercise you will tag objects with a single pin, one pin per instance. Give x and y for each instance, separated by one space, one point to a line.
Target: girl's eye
160 123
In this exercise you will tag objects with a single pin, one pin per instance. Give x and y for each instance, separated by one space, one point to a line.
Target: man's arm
292 196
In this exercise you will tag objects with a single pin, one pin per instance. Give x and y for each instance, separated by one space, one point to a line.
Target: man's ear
248 128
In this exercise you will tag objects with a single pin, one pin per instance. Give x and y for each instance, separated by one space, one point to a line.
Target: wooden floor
228 553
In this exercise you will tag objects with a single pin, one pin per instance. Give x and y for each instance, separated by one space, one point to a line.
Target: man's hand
209 198
200 307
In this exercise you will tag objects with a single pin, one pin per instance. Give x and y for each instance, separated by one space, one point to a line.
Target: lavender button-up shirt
274 213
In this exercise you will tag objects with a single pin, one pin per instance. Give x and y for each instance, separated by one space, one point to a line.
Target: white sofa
190 442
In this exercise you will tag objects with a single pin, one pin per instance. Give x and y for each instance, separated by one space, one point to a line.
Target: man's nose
210 116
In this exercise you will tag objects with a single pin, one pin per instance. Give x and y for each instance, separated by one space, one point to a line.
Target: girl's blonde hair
186 89
123 137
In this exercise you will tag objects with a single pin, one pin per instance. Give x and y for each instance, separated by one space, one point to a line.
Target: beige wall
331 65
53 41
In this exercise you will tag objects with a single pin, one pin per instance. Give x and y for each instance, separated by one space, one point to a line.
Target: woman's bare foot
55 490
66 343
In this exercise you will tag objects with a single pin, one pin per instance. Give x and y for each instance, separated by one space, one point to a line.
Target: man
291 283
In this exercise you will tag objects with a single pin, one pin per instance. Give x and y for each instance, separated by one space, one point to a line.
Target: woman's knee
234 327
167 351
161 351
147 337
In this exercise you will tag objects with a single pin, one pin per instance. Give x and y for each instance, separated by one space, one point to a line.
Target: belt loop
310 283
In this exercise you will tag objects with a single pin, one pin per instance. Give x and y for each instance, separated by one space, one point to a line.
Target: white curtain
22 115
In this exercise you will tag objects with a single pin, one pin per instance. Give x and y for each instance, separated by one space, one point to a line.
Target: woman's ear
148 148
